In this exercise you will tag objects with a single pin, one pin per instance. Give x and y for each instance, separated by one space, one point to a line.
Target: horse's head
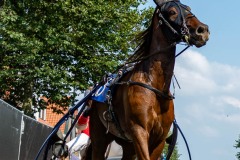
182 22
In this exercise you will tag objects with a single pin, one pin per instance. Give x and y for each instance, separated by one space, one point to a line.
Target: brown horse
140 110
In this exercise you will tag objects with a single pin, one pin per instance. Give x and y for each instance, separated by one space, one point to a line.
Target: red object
83 121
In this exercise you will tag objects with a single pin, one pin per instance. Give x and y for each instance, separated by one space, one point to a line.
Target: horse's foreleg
140 141
99 138
98 153
128 149
128 154
157 151
100 142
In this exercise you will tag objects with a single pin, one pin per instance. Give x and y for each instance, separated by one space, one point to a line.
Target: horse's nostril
201 29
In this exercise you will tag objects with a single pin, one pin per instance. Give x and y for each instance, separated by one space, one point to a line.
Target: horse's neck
163 60
157 70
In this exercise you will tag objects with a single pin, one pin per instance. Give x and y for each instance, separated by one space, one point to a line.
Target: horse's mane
144 41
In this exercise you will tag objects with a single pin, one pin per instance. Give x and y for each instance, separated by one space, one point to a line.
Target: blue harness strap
101 94
65 118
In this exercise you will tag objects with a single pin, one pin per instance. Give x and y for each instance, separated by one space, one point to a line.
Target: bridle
184 33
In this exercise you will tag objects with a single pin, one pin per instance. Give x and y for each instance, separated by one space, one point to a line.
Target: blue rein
185 140
65 118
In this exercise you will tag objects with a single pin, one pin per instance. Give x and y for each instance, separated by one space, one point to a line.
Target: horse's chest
157 126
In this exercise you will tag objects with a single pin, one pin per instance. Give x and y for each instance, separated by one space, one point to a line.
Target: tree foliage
237 145
52 48
175 155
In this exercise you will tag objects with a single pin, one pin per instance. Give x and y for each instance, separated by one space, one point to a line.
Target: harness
109 115
185 35
156 91
81 104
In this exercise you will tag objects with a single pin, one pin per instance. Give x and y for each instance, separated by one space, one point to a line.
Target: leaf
49 48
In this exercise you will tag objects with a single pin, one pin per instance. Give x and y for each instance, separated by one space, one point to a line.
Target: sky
207 107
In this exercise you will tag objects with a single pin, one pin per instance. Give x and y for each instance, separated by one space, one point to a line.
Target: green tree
175 155
54 48
237 145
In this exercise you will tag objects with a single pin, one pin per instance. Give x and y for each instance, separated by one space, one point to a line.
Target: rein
156 91
148 56
65 118
185 140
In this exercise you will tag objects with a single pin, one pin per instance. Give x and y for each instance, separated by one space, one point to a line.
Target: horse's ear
160 2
